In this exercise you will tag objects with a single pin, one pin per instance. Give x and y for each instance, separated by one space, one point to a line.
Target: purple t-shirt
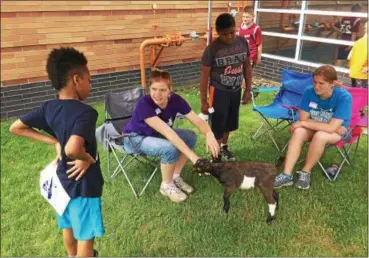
226 62
147 108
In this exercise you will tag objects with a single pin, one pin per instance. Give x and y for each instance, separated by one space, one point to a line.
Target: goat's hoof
270 219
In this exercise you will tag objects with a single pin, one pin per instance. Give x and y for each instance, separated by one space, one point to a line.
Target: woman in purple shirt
151 133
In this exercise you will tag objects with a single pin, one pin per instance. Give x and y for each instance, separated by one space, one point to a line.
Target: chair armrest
256 90
116 118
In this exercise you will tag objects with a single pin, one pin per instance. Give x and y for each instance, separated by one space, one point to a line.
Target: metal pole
210 28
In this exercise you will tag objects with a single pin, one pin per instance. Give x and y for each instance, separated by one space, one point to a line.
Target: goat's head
203 166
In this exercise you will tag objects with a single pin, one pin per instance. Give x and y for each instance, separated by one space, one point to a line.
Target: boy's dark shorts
342 53
226 106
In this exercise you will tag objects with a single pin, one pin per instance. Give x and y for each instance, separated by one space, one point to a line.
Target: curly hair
61 63
224 21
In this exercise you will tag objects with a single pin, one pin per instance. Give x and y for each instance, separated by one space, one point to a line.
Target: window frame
303 11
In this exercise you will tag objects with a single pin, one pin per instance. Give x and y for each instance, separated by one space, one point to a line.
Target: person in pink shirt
252 33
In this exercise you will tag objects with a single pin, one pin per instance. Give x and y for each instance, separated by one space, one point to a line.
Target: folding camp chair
357 123
118 110
284 106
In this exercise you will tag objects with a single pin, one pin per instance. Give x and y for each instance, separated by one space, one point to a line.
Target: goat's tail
280 162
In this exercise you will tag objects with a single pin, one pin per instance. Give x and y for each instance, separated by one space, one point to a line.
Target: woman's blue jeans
159 146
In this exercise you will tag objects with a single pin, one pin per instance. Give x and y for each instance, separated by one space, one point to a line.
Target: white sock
175 176
222 144
165 185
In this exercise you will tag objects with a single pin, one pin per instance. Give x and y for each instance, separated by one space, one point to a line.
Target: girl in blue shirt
325 113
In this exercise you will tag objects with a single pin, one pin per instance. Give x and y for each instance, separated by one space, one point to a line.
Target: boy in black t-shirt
70 126
227 62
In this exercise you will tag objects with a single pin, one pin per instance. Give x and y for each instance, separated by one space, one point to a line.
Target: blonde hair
329 74
160 75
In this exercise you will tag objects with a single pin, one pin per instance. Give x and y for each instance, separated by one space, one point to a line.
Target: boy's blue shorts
83 215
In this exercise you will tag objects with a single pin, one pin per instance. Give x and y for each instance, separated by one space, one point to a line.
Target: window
309 32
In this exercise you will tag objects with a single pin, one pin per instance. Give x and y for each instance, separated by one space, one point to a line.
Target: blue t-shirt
62 119
147 108
337 106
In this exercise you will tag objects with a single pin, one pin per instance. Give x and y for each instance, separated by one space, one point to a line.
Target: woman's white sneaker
183 185
173 192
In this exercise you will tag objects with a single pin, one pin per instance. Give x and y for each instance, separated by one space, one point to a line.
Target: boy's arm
21 129
204 82
260 50
247 73
74 149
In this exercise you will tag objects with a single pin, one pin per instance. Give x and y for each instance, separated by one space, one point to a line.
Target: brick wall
272 69
19 99
108 32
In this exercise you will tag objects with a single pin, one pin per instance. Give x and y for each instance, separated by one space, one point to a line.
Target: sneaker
182 185
173 192
228 155
283 180
303 180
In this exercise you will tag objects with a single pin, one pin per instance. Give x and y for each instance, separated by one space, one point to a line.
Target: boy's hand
258 61
79 168
205 108
246 97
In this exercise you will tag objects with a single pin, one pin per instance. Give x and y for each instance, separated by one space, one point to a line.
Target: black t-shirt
62 119
226 62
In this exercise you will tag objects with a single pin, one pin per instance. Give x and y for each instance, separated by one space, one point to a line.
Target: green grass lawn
329 219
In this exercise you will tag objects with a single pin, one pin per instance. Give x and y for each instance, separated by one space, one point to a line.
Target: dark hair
61 63
224 21
160 75
356 7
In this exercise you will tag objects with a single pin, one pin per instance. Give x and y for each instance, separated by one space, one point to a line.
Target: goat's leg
272 203
227 194
276 198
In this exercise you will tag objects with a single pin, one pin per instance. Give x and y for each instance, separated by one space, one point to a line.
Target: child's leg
85 248
87 223
225 137
70 242
317 146
299 137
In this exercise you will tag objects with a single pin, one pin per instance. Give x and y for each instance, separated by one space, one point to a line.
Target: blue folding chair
284 108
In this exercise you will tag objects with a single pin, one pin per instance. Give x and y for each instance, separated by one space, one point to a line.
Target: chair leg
148 181
325 171
356 147
125 174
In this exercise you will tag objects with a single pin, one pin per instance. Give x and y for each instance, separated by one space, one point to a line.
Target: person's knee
169 154
320 137
191 139
300 134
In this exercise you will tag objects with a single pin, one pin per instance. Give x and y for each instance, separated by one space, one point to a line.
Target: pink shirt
253 36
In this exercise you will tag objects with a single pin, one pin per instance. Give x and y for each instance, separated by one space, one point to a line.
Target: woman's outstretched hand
212 145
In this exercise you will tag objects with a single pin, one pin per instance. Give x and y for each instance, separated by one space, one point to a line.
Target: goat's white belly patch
248 182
